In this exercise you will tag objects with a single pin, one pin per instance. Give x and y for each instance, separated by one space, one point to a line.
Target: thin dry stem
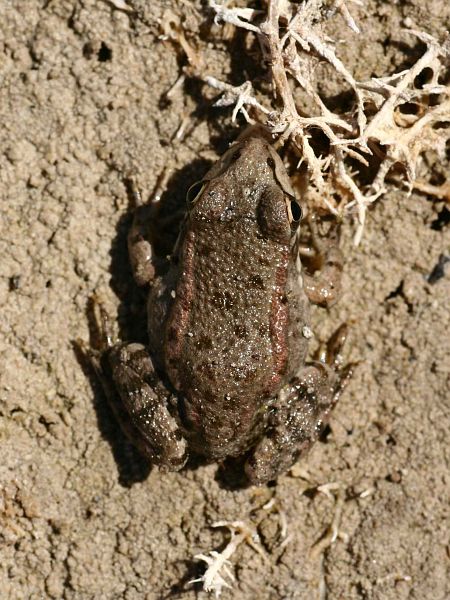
332 532
214 578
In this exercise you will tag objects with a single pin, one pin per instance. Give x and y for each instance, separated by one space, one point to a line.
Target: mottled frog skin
224 373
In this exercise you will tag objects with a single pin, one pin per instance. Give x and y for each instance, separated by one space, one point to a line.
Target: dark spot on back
256 281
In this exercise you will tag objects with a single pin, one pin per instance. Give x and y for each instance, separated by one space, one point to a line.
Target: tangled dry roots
394 120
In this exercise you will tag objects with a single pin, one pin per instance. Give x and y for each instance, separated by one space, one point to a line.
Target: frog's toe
260 467
269 459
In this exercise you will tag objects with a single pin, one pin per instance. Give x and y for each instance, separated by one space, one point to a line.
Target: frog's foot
301 413
331 352
148 227
324 287
145 416
139 244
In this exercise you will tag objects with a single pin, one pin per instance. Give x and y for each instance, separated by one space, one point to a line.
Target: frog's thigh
302 410
145 401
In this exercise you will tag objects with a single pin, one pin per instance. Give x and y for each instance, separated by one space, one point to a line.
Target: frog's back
229 355
226 347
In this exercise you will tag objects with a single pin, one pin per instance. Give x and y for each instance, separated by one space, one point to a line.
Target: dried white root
239 17
438 191
239 96
334 491
379 123
214 578
332 533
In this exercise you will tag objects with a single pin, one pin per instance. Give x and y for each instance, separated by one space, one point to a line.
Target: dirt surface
83 107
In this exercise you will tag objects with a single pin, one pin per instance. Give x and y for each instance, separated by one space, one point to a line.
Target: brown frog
225 371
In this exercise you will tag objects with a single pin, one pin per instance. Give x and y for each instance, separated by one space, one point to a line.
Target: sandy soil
82 107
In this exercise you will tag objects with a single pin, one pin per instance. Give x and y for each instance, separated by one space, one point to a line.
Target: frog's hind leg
136 395
300 414
146 402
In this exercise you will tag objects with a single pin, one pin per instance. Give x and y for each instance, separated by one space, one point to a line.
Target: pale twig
317 552
239 96
332 532
240 17
342 8
218 562
439 191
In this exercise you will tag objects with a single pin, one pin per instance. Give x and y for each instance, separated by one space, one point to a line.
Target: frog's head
248 183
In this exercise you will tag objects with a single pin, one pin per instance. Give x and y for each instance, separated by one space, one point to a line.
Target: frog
225 373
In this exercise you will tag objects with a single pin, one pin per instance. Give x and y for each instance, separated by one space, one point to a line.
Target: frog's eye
295 213
194 192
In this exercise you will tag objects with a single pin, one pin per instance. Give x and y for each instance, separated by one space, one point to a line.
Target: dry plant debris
394 120
213 579
218 574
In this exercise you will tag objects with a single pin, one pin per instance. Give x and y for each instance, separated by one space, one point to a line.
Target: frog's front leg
149 226
324 287
145 400
139 244
301 412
